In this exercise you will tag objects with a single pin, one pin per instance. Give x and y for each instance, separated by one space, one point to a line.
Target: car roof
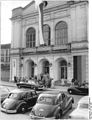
84 99
51 93
22 90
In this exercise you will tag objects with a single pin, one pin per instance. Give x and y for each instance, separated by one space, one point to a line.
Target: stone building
65 32
5 62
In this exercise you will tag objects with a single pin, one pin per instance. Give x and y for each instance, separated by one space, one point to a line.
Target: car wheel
22 109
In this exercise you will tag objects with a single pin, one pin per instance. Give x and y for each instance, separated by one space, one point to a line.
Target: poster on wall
13 68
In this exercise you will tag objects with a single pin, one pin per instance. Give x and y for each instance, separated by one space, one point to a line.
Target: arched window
61 33
63 67
46 34
30 38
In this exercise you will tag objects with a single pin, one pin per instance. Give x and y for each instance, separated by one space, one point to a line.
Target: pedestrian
73 80
15 79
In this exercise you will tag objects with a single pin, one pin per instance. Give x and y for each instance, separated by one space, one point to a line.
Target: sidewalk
12 84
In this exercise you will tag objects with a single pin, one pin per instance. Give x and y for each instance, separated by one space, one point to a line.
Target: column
35 70
70 68
52 33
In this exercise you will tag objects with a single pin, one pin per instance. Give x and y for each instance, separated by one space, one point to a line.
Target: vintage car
78 90
30 84
82 110
4 92
51 104
19 100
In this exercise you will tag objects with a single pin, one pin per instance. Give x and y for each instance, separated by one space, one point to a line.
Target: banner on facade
39 4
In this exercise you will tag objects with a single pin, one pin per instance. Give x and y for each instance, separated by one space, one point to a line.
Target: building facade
65 33
5 62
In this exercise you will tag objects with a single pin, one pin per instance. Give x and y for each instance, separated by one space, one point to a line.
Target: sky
6 13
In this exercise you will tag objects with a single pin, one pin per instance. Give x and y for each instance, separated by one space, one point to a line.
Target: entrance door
32 69
46 67
77 68
63 69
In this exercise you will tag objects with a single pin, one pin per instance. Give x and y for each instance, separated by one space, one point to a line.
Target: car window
14 95
46 100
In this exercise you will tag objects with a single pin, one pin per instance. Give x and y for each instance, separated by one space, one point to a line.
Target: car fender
74 90
20 104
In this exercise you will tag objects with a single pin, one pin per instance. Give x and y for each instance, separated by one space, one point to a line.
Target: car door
34 98
29 99
60 101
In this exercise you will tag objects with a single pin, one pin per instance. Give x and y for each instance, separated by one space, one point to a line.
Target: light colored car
82 110
51 104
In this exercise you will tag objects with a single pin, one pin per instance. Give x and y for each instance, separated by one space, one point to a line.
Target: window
46 34
61 33
30 38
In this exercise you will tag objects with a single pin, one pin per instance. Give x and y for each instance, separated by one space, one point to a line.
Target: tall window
32 69
63 66
61 33
30 38
46 34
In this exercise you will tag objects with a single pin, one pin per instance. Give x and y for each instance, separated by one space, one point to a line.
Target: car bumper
8 111
39 117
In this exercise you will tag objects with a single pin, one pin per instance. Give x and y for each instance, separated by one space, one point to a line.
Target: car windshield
14 96
83 106
46 100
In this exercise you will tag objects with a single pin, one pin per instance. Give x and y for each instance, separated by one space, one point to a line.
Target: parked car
19 100
82 110
51 104
30 84
78 90
4 92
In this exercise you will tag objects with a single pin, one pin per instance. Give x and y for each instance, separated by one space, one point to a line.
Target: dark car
51 104
78 90
19 100
30 84
4 92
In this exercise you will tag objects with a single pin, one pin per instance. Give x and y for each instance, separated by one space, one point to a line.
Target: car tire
22 108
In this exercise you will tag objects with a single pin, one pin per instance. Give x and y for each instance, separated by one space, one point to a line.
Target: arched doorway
63 69
30 68
46 67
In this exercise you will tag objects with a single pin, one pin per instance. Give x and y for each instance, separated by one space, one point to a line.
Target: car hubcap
23 109
70 91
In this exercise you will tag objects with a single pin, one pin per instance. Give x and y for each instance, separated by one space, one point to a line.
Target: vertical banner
40 9
13 68
40 4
